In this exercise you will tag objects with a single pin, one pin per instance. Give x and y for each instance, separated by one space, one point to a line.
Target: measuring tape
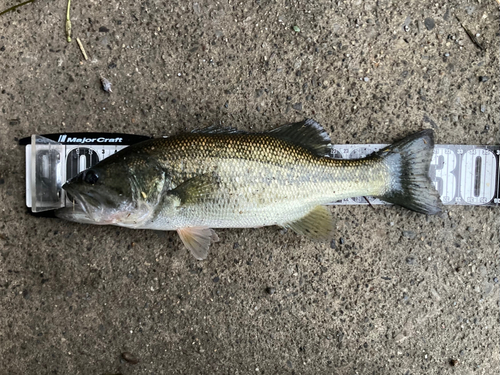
462 174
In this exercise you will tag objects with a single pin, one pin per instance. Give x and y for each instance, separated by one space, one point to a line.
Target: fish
212 178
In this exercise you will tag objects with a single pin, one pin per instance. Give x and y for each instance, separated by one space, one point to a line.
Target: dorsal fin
308 134
214 129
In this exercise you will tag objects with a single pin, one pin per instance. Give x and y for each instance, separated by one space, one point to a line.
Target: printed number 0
477 185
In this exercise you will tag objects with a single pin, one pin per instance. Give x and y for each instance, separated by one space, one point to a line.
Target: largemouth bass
224 178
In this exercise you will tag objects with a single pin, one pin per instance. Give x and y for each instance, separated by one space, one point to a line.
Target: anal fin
317 224
198 240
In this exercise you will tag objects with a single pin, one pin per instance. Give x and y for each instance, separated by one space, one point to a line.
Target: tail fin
408 161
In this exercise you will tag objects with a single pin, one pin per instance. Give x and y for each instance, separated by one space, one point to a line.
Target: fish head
118 190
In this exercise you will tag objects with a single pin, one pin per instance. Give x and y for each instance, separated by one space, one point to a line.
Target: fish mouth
94 207
88 203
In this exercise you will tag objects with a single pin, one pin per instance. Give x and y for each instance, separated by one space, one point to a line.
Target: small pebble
429 23
296 29
106 85
333 244
410 261
270 290
483 78
130 358
406 23
196 8
366 79
495 279
297 106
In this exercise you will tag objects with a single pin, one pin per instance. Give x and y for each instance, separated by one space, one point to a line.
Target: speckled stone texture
394 292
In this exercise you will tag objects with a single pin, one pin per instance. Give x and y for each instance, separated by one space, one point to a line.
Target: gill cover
122 189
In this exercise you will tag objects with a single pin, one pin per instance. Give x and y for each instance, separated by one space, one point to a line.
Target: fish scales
217 178
261 180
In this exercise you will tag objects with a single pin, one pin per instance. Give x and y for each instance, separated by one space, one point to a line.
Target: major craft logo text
64 138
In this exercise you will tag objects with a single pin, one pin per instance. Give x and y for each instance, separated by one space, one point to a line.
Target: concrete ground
394 293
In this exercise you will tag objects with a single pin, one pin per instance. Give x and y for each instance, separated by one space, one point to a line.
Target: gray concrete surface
74 297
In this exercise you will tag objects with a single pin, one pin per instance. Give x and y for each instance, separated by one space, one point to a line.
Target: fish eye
90 177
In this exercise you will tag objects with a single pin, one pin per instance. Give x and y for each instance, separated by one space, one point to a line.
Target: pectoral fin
198 240
317 224
196 189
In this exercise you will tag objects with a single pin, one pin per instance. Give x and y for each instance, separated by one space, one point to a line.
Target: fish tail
409 184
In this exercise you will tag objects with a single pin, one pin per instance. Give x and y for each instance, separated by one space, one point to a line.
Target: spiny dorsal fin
198 240
308 134
317 224
214 129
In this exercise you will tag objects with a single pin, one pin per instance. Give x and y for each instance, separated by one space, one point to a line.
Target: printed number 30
477 175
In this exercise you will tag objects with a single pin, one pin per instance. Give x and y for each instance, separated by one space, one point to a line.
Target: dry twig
81 48
15 7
